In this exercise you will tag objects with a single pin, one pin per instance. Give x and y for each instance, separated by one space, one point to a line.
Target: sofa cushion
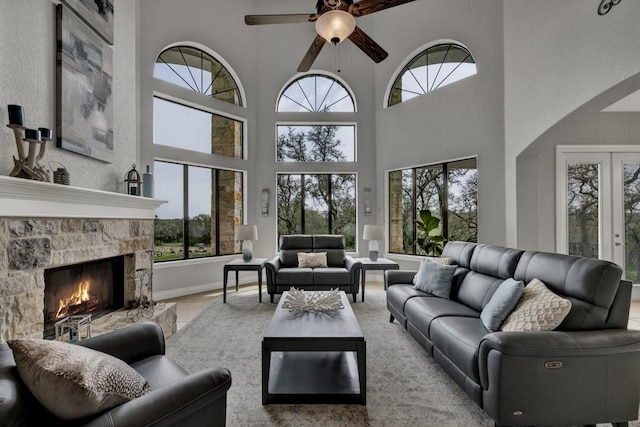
539 309
435 278
398 295
73 381
422 311
459 338
289 247
295 276
312 260
590 284
459 252
476 289
330 276
501 304
495 260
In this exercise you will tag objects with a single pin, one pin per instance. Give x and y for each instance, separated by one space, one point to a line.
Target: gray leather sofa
342 271
176 398
586 371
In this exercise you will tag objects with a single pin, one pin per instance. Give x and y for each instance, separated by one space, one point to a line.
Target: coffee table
310 357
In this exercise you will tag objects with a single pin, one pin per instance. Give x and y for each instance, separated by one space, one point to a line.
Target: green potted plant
428 240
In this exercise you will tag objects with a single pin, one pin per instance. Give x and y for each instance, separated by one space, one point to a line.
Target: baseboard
196 289
635 293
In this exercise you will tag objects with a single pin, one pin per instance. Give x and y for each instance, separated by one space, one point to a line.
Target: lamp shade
247 232
373 232
335 26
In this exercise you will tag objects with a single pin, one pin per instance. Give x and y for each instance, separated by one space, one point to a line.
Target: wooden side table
256 264
379 264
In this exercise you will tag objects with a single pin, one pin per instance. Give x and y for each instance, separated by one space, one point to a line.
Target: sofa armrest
188 401
354 267
395 277
271 267
597 371
133 343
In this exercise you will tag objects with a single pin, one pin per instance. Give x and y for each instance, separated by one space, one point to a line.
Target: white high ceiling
628 103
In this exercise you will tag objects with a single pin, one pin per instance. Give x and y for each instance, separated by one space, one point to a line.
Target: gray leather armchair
176 398
342 271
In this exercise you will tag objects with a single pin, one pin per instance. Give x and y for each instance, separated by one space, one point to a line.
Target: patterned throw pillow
312 260
539 309
73 381
435 259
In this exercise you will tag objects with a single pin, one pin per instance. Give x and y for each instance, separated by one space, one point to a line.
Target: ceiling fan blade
365 7
368 45
280 19
312 54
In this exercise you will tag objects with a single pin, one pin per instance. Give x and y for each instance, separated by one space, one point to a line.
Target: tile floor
189 306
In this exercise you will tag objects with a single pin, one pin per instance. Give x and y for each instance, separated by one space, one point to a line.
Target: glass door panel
626 190
583 209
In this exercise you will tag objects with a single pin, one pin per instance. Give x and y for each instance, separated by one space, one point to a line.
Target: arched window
198 71
433 68
205 197
311 202
316 93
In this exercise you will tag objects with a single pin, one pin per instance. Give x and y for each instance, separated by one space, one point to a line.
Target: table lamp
373 233
246 234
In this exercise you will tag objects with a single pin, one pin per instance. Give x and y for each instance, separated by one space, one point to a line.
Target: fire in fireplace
95 288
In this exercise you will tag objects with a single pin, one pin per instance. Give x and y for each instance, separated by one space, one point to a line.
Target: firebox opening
95 287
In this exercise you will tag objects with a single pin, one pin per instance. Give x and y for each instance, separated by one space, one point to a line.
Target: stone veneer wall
29 246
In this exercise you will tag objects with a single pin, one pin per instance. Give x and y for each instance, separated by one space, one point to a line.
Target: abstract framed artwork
98 14
84 89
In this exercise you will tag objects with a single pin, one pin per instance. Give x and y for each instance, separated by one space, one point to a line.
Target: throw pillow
502 302
435 278
437 260
73 381
312 259
539 309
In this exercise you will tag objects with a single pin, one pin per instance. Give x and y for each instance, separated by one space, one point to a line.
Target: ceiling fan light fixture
335 26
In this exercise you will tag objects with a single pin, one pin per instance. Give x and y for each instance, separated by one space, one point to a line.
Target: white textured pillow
312 259
538 309
72 381
434 259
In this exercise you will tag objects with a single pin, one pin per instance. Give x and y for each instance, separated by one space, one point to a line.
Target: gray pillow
435 279
501 304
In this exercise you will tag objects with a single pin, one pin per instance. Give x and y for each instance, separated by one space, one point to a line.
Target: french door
598 208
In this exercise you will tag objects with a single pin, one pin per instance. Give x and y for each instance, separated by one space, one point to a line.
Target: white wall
28 78
558 56
461 120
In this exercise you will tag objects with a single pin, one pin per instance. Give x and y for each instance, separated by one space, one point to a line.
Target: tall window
205 202
448 190
433 68
317 204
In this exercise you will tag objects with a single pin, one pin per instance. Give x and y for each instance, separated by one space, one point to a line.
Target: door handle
618 244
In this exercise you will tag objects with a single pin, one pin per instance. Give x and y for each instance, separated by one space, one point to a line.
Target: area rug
405 386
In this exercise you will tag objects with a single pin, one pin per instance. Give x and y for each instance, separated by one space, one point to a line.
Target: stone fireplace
47 227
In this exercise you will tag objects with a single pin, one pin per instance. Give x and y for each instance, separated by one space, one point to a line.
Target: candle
16 115
32 135
45 133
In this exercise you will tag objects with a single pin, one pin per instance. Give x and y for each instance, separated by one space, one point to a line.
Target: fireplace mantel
35 199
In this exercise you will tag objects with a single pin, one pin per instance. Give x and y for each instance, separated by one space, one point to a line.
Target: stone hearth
44 225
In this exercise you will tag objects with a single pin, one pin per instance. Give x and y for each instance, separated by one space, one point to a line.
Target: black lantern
132 182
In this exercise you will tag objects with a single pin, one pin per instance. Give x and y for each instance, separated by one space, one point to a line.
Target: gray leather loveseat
586 371
342 271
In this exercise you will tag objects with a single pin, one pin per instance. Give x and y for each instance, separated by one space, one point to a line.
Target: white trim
411 56
217 57
35 199
323 73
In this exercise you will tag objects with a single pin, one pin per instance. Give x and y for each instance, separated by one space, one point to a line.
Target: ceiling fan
335 21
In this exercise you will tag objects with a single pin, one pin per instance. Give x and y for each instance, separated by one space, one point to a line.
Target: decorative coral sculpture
319 301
